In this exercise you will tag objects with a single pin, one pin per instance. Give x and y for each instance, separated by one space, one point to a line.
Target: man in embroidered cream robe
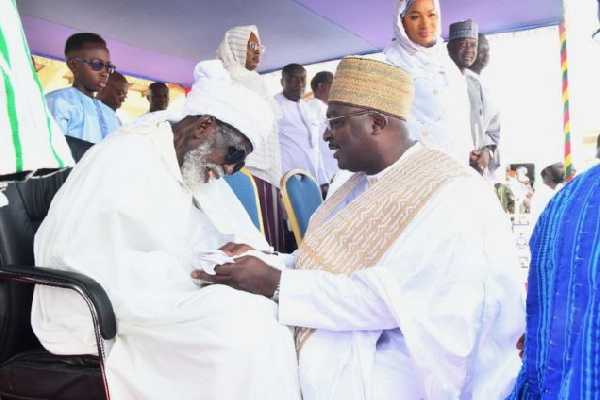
135 216
406 284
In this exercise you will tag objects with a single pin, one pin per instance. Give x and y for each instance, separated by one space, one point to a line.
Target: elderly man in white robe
136 215
406 284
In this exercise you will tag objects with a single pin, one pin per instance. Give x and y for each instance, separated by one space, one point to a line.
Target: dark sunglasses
97 65
236 157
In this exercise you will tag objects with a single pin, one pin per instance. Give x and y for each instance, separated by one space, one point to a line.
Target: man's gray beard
195 167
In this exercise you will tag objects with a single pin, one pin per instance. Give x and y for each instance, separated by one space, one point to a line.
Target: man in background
158 96
553 178
321 85
115 91
484 115
299 127
483 55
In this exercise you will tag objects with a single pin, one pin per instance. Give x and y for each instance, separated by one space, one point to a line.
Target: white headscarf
440 112
435 55
233 52
213 93
234 46
265 161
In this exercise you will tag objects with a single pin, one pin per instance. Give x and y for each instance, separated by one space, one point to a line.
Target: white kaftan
125 218
299 138
436 317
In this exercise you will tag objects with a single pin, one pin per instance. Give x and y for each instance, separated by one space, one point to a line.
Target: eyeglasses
255 46
466 45
331 123
236 157
596 36
97 65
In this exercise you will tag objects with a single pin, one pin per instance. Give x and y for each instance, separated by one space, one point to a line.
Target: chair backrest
245 189
301 197
29 203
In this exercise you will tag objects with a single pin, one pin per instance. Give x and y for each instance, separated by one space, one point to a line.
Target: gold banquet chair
243 185
301 197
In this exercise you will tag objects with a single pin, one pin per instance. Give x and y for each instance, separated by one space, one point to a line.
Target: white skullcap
213 93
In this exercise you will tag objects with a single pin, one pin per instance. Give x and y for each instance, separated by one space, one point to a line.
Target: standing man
75 109
321 85
484 115
496 174
406 284
298 127
158 96
483 55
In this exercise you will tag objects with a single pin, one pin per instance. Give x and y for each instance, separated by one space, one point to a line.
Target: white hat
213 93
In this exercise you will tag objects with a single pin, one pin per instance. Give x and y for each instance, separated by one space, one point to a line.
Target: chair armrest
91 291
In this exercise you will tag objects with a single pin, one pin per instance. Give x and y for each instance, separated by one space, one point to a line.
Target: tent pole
562 30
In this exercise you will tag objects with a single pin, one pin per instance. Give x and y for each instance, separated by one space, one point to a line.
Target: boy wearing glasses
75 109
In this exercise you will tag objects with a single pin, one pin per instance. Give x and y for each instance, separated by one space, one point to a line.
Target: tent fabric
164 40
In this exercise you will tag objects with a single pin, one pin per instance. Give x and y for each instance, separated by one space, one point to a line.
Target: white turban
213 93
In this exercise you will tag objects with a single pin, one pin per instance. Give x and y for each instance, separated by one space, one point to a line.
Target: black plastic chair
27 370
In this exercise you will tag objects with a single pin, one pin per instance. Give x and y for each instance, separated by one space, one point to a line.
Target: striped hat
464 29
374 85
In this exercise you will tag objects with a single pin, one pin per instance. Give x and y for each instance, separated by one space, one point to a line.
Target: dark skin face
483 55
351 140
191 132
85 79
294 84
115 92
420 22
463 52
252 56
158 98
382 140
323 89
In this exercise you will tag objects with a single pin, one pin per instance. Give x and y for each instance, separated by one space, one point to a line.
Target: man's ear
72 64
204 126
380 121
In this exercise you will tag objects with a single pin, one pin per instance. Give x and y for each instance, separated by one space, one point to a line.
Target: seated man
406 284
134 215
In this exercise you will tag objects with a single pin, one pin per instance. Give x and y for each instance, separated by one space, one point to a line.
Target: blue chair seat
301 197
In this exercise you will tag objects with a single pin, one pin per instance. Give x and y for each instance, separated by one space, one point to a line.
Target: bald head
115 91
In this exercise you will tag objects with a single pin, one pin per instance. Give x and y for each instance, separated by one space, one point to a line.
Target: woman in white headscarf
440 112
240 51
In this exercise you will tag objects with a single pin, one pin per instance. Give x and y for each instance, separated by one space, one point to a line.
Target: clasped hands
247 273
479 159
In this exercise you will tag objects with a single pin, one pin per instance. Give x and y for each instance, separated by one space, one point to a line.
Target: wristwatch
275 296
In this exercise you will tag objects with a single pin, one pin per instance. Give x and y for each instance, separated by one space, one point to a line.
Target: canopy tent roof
163 40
